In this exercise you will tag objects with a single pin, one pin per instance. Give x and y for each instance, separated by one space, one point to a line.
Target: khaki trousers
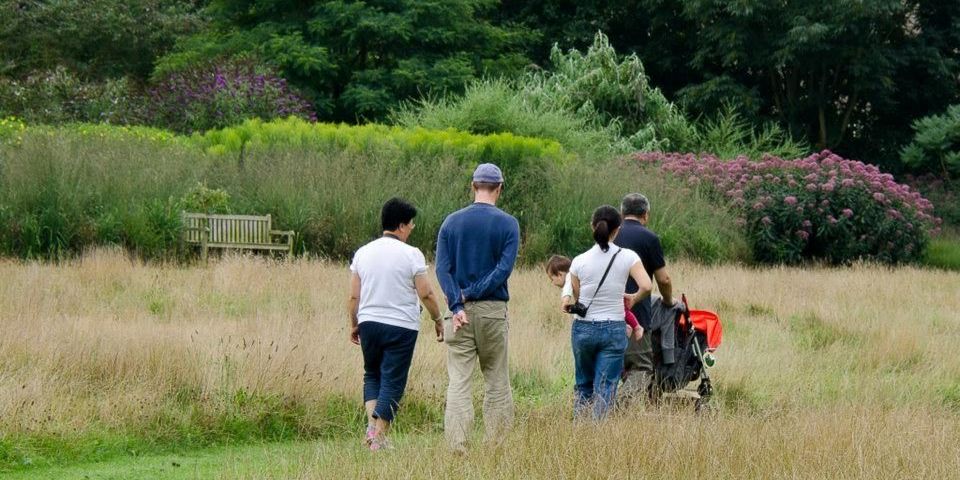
483 341
638 371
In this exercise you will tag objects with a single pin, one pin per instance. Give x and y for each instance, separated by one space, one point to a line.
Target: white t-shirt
388 294
567 290
589 267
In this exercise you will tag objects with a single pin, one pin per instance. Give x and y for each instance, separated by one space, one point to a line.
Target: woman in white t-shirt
599 276
388 284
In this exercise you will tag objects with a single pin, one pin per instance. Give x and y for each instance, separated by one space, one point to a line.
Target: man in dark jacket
634 235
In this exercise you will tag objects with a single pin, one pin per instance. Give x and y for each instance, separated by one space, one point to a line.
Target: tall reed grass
104 355
69 189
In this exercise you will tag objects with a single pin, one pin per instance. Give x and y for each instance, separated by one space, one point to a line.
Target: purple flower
803 234
790 200
807 224
847 212
811 187
766 220
879 197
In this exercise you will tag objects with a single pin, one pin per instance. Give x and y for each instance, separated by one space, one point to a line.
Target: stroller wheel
705 389
703 406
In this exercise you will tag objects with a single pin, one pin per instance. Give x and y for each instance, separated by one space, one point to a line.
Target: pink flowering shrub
819 207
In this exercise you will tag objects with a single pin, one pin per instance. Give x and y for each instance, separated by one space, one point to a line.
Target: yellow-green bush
508 150
11 130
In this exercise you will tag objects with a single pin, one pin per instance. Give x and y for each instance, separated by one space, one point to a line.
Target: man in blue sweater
476 249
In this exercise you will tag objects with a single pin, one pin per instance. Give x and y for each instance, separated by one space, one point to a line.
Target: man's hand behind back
459 320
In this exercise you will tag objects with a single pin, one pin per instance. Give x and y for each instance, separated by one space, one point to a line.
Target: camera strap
604 277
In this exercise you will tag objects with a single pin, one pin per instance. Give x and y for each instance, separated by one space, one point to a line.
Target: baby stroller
696 334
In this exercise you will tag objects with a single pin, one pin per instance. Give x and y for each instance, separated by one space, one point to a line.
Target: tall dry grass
853 369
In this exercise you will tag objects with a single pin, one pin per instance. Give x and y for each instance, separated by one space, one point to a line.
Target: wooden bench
249 232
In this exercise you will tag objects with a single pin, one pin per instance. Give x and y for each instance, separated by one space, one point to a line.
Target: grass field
114 369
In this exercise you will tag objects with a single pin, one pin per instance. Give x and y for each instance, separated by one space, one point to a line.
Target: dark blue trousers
387 353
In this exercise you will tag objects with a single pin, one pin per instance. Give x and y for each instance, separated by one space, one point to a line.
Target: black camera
577 309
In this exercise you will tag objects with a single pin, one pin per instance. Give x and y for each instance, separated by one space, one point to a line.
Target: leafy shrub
218 95
59 96
936 144
596 104
204 199
818 207
497 106
11 130
611 90
729 135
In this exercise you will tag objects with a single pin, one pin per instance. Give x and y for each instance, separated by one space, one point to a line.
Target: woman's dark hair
395 212
606 219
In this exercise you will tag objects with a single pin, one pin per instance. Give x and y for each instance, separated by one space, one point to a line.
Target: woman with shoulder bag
599 276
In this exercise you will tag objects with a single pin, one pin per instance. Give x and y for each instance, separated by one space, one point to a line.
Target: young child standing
558 270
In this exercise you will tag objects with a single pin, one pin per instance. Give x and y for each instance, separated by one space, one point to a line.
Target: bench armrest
283 233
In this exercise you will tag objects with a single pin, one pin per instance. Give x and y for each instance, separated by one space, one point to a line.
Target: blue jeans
598 360
387 352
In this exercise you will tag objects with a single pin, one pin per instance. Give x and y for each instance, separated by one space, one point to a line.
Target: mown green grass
253 421
182 464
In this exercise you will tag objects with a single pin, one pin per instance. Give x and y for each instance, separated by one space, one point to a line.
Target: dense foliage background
872 81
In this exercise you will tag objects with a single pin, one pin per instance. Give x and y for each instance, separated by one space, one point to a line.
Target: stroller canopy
707 322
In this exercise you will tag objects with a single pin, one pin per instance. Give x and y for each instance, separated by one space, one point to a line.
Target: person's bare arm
575 280
429 299
353 306
639 275
664 285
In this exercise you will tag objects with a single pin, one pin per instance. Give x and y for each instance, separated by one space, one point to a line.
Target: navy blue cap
488 173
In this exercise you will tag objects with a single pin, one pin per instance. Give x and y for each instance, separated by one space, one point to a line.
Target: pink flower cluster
822 172
820 206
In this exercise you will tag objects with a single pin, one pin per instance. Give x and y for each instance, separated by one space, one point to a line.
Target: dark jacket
663 319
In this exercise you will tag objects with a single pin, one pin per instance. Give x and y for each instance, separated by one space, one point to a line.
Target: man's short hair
635 204
486 186
396 212
558 264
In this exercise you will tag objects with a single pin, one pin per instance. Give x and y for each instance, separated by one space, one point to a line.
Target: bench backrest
232 229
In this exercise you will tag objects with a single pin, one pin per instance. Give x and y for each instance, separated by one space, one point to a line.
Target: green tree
614 89
359 58
847 75
98 39
936 145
